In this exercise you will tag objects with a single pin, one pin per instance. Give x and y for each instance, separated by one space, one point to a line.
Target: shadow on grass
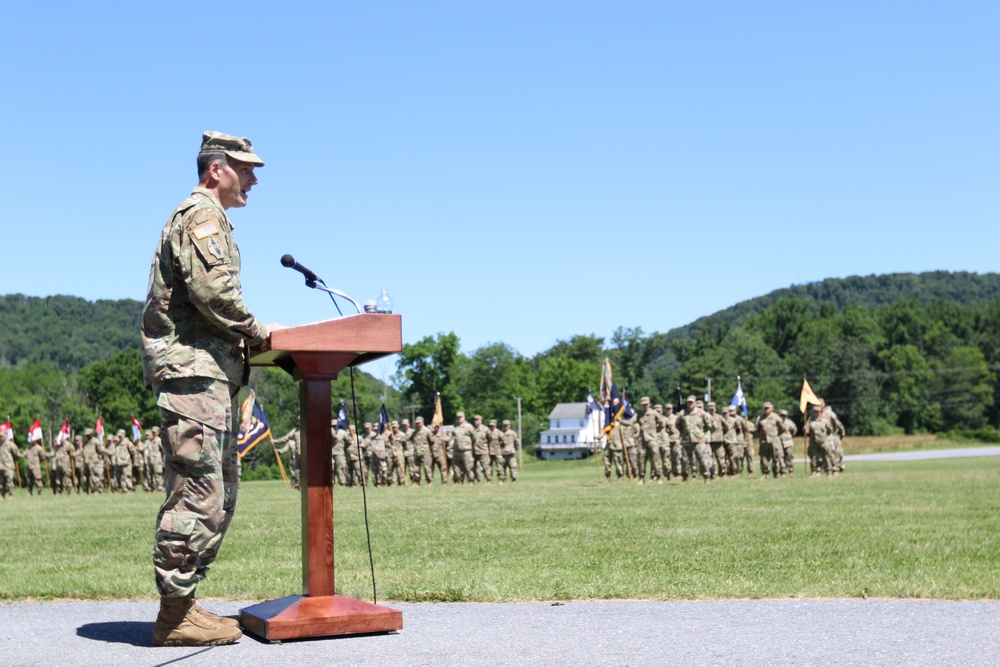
134 633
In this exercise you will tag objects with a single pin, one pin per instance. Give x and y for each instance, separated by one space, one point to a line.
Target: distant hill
961 288
67 331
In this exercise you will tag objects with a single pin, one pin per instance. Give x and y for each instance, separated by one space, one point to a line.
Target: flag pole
281 466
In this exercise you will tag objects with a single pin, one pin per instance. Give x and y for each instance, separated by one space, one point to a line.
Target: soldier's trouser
157 483
59 478
748 457
465 464
703 456
509 466
6 483
613 456
79 478
379 468
771 459
399 467
33 479
651 454
441 464
294 470
422 462
633 462
126 481
687 458
95 477
496 460
788 450
199 421
483 462
836 452
719 458
676 458
340 469
734 454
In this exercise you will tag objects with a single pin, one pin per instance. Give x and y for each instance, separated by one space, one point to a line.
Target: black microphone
289 262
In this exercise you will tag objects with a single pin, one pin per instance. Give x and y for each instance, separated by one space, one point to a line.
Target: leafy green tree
907 386
492 379
116 388
431 366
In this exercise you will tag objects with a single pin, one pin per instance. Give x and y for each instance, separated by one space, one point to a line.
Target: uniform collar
204 192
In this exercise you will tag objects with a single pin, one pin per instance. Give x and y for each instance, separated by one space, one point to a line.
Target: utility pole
709 395
413 413
520 438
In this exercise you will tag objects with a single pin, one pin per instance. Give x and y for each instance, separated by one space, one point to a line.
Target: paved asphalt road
924 455
742 632
736 632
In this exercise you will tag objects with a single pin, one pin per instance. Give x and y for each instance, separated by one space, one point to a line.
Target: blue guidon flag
739 400
342 421
253 430
383 419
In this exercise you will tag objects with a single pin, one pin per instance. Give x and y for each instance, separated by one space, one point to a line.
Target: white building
570 434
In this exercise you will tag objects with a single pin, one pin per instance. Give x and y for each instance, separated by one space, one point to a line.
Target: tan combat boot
215 618
178 624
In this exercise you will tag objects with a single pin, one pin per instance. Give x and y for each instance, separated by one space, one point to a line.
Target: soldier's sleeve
212 279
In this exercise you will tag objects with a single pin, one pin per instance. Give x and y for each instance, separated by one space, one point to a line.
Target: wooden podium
314 354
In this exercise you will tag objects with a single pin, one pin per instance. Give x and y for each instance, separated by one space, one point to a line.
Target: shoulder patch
205 230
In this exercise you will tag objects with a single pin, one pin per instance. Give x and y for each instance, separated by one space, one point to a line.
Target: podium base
299 617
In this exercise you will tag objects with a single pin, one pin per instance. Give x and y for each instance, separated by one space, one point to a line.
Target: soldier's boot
215 618
178 624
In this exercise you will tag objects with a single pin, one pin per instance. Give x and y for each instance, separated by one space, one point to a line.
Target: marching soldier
156 460
673 462
460 443
695 427
340 441
93 461
616 449
439 453
405 437
78 462
33 457
379 456
122 453
819 429
9 454
397 456
772 460
61 467
354 457
422 441
511 445
481 450
716 441
788 432
494 439
649 443
836 438
749 428
734 438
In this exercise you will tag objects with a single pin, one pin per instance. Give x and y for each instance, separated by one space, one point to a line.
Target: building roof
569 411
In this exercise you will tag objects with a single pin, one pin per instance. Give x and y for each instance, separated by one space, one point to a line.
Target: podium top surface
356 339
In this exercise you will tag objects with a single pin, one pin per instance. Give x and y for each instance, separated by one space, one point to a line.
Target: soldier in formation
9 475
291 440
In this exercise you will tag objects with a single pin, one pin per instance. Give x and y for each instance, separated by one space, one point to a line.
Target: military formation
84 464
702 441
413 455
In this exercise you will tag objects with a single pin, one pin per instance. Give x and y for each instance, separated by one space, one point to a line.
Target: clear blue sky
511 171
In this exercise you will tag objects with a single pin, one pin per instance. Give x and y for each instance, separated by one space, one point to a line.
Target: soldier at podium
196 335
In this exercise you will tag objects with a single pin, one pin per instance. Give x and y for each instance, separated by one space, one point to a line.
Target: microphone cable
364 494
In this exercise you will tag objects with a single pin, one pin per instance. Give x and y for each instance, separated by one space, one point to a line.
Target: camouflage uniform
78 462
494 440
156 460
619 441
33 458
423 446
820 429
196 336
94 455
750 428
649 442
61 467
405 437
397 455
508 450
788 433
695 427
836 439
717 442
481 451
9 454
439 453
379 456
341 440
672 430
772 460
123 453
352 449
292 441
460 439
734 438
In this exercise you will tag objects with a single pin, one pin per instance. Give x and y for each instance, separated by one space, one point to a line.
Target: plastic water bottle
383 304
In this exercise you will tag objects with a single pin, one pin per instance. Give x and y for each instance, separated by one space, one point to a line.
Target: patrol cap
668 406
405 422
459 414
88 431
817 407
234 147
493 422
420 420
394 423
368 424
156 429
730 408
784 413
690 399
506 422
768 404
479 417
121 431
711 404
657 407
644 400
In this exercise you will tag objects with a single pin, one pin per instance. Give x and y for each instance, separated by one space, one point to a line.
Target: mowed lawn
909 529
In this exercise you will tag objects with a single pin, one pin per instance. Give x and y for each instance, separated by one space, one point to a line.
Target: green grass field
912 529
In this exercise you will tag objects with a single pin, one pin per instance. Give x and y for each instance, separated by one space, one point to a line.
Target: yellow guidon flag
438 418
807 397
